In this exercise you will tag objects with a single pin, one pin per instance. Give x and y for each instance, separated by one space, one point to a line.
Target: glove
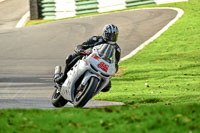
78 49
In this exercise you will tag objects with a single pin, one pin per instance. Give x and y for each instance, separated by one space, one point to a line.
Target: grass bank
167 70
160 86
131 118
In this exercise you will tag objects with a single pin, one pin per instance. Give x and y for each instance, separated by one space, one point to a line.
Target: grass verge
131 118
160 86
168 68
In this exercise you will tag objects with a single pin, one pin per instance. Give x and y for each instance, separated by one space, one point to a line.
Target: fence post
35 9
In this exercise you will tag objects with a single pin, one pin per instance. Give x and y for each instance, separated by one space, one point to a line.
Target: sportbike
87 77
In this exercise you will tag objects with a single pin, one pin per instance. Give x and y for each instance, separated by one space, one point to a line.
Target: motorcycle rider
109 35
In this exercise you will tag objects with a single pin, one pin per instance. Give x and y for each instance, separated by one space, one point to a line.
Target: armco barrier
86 7
110 5
130 3
56 9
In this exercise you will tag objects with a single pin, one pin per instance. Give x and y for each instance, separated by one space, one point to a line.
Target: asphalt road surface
11 12
28 55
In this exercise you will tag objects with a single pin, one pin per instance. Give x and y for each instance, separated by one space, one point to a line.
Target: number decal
103 66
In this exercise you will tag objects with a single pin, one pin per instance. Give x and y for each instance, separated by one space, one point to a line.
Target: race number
103 66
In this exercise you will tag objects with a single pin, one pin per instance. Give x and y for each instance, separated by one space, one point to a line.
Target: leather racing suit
73 58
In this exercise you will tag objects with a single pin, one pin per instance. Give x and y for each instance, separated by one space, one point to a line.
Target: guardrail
56 9
110 5
86 7
130 3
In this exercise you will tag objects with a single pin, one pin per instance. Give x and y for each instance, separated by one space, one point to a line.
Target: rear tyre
57 100
86 93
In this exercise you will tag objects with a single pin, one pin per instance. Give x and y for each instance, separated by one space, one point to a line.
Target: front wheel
85 94
57 99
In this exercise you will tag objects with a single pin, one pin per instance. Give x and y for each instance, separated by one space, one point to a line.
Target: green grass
160 85
170 65
182 118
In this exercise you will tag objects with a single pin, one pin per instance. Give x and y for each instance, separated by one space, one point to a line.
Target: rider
110 35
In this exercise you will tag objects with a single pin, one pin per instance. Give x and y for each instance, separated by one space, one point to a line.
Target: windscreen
107 52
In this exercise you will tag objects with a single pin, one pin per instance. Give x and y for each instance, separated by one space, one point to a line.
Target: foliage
160 86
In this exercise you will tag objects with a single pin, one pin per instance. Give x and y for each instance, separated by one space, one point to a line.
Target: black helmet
110 33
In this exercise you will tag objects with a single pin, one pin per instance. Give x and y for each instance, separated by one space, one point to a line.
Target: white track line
180 13
23 20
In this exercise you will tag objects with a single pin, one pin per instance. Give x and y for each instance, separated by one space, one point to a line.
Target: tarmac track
28 55
11 12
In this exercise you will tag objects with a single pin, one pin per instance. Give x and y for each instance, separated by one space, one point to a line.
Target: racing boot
57 75
57 72
60 78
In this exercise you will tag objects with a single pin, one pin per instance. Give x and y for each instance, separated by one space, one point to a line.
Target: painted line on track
179 14
23 20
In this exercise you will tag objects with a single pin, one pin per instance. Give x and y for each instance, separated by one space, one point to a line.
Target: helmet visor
112 37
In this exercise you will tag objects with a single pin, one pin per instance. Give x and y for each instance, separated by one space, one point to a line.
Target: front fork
102 82
87 76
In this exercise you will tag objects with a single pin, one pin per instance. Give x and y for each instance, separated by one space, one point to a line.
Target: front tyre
85 94
57 100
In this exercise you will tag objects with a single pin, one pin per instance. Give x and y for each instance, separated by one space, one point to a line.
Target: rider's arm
92 42
118 54
95 40
85 45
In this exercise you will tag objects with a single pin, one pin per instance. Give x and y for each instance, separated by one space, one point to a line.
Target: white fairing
90 67
111 69
73 75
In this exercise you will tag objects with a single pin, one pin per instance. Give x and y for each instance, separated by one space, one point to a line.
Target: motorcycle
87 77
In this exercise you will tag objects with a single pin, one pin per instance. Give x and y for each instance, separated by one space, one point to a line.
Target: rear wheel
85 93
57 99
